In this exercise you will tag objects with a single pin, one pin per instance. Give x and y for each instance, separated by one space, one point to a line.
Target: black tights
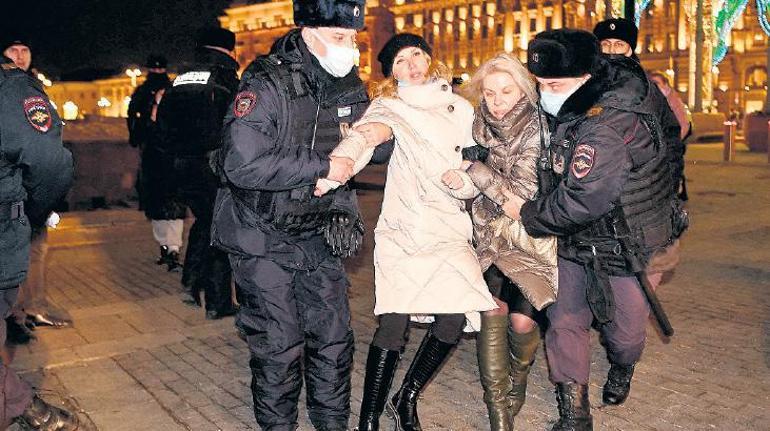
391 334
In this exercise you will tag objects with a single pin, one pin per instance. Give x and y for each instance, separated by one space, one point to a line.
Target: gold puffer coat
511 167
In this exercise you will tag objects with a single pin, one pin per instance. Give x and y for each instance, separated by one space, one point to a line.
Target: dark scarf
490 132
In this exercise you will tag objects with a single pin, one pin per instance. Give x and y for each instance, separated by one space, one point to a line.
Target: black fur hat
329 13
216 36
563 53
155 61
11 38
617 28
396 44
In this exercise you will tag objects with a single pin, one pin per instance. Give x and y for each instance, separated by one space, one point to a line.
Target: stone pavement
138 359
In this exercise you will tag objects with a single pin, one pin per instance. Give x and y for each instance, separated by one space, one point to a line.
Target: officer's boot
172 261
163 259
618 384
523 349
17 333
427 361
42 416
380 368
574 408
495 370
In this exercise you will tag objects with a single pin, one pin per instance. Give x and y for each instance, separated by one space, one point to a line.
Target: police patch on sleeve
583 160
38 114
244 103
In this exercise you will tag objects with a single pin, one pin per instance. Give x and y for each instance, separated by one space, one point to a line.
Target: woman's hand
321 188
512 207
452 179
375 133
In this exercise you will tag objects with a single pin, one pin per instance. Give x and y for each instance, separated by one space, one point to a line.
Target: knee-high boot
523 349
495 370
427 361
380 367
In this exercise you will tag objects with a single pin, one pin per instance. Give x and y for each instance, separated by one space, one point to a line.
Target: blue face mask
552 102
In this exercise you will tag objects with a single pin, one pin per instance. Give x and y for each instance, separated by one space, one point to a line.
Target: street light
133 73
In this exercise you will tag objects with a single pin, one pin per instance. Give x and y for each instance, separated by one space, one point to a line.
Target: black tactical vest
646 201
313 121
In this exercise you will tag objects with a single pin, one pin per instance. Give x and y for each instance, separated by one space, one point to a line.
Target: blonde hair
505 63
388 87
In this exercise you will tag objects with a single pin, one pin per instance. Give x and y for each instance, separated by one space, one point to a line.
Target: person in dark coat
189 121
160 206
293 107
609 202
35 172
618 36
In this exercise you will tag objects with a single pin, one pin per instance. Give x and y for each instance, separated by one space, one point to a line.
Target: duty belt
11 210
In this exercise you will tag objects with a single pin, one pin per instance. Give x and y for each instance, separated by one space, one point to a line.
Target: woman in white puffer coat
425 264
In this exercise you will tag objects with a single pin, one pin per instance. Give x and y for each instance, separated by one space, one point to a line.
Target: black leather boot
427 361
172 262
574 408
42 416
381 366
163 259
618 384
16 333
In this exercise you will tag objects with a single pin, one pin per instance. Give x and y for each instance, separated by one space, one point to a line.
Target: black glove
476 153
344 233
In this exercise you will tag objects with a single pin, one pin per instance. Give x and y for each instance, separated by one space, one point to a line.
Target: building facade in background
465 33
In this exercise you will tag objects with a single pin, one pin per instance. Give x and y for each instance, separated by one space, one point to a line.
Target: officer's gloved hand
344 233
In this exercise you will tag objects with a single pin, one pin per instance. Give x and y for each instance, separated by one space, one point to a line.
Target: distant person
35 172
154 186
618 36
189 121
34 308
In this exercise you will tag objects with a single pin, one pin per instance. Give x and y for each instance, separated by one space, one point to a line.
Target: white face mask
552 102
338 60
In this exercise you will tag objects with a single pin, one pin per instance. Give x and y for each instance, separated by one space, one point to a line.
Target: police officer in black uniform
291 111
155 195
35 172
608 199
189 121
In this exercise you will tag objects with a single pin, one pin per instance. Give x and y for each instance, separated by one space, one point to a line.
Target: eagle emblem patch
583 160
557 161
244 103
38 114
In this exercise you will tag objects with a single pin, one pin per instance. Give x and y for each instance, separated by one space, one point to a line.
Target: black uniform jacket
35 168
602 120
256 160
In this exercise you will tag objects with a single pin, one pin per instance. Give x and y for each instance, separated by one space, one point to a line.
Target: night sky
72 36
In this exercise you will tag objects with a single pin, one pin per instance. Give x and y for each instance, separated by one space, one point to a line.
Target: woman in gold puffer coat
520 270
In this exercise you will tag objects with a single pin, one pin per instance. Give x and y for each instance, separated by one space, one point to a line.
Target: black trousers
297 324
206 268
391 334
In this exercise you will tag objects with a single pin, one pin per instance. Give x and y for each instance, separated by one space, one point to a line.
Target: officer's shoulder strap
273 69
287 75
